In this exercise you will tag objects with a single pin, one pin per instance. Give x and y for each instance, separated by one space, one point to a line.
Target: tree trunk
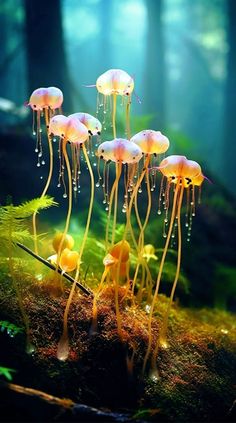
229 143
155 64
46 58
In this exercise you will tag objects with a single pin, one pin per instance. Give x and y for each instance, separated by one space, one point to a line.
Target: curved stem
128 117
134 194
133 198
141 236
63 346
113 191
47 183
100 286
162 337
66 158
114 116
159 276
118 173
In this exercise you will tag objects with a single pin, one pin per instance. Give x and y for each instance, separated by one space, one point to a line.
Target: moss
196 371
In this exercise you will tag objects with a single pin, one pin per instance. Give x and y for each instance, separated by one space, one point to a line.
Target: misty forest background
182 54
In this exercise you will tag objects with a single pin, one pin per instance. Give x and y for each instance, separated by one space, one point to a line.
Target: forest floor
104 371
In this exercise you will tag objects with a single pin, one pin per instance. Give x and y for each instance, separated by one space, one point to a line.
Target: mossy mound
196 372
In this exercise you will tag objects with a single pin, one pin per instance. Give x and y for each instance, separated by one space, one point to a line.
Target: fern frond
27 208
13 226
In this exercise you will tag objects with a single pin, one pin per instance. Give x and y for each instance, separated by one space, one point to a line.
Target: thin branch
83 288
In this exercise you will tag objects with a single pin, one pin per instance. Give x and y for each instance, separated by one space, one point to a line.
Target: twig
83 288
63 402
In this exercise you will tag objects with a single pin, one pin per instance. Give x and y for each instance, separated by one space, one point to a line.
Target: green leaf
6 372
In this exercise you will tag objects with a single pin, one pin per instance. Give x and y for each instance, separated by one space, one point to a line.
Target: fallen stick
82 287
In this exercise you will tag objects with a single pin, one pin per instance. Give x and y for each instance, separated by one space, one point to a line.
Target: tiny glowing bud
67 243
68 260
121 250
149 252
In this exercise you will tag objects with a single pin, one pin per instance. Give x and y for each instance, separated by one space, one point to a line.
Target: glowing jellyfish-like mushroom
93 125
116 82
179 173
70 129
116 263
120 151
152 143
44 101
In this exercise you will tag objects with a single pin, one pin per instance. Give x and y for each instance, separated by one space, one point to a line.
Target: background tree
155 76
229 143
46 58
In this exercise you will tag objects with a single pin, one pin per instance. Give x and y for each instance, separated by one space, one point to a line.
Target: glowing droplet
58 185
38 164
64 195
36 150
30 349
43 162
147 308
159 212
40 154
97 185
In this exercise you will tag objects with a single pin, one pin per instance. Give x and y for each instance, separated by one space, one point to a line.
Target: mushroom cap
54 97
67 243
68 127
68 260
105 150
43 98
121 250
151 142
93 125
179 167
38 99
57 125
76 132
198 180
115 81
120 150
